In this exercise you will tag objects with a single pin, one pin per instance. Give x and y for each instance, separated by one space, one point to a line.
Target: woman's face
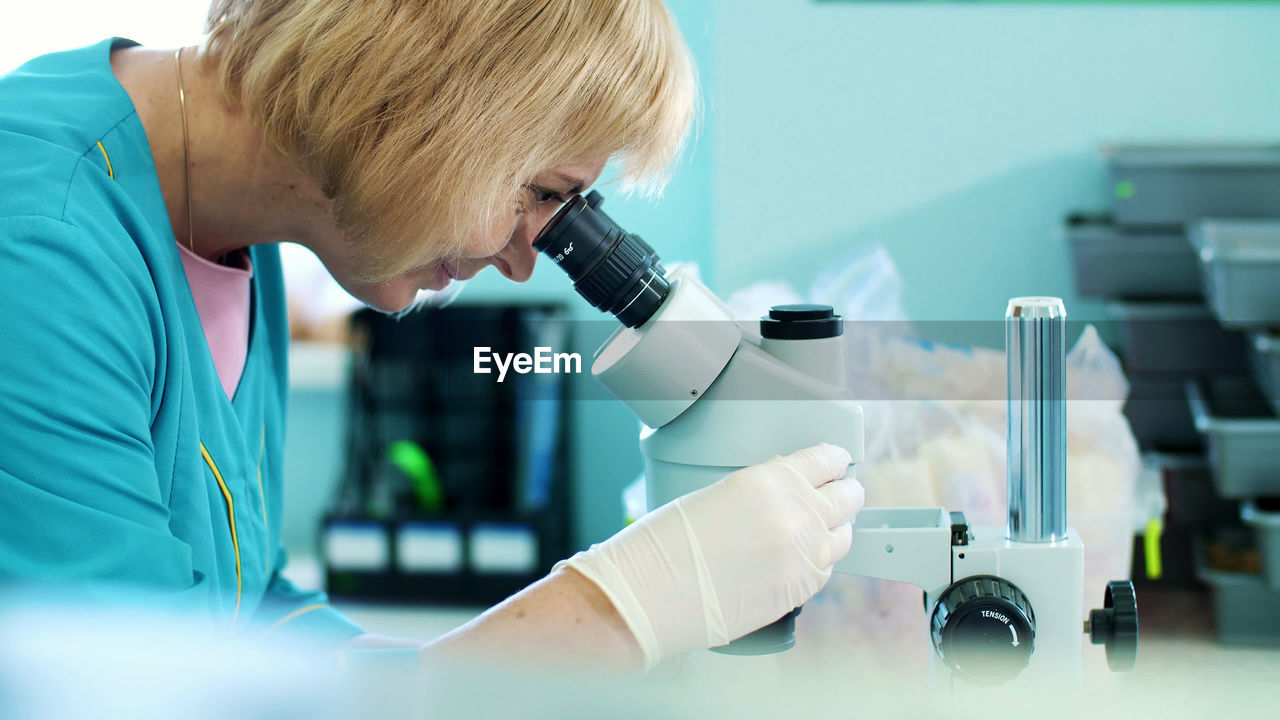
508 245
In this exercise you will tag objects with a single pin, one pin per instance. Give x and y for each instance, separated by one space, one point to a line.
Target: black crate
1177 338
1192 498
481 454
1159 415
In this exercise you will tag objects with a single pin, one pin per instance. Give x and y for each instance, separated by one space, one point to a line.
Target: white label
503 549
356 547
429 548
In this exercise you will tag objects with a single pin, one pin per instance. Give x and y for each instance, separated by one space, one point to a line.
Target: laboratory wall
957 135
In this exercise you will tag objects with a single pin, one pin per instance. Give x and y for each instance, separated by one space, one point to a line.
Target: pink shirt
222 295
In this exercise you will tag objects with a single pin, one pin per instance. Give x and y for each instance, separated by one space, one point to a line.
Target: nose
518 255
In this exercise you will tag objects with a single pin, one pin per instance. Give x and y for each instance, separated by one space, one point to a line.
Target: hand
732 557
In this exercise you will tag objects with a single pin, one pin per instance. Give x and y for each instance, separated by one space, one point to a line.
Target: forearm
563 618
695 573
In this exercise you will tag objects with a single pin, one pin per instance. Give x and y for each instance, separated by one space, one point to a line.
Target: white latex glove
728 559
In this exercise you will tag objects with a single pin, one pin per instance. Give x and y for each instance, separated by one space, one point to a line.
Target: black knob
1116 625
984 629
776 637
801 322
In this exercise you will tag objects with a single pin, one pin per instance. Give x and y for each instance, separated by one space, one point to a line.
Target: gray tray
1158 413
1266 527
1264 357
1144 263
1175 184
1240 267
1242 433
1177 338
1245 610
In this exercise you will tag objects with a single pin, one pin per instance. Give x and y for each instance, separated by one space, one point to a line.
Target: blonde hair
422 119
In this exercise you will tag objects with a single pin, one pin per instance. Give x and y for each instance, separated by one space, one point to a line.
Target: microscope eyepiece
614 270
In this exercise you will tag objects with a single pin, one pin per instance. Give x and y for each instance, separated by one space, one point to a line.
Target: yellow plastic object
1151 548
416 465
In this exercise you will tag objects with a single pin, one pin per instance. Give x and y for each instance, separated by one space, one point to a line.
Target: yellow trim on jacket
294 615
110 173
231 517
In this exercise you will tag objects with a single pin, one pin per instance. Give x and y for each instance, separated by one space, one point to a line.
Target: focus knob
1116 625
984 629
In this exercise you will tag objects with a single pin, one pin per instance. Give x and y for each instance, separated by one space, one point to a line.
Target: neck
242 191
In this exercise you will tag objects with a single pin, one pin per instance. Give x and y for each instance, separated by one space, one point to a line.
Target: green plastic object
1151 547
416 465
1124 189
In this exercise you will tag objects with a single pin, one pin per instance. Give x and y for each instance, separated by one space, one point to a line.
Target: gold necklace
186 163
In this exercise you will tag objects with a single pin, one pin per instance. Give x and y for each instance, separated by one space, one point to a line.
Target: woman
142 375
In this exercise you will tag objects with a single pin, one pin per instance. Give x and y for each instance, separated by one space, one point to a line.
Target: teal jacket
123 465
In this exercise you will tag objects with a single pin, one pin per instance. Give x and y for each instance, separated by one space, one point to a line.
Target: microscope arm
910 545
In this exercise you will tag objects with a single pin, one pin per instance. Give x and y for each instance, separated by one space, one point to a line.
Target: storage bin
1177 338
1263 516
1176 184
1112 262
1159 415
1242 434
1245 610
1264 358
1240 270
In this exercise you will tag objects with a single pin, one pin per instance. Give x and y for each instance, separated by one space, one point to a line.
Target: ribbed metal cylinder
1035 353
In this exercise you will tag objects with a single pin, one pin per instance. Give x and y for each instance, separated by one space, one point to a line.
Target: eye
542 196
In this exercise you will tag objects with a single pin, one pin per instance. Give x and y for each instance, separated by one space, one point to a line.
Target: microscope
715 395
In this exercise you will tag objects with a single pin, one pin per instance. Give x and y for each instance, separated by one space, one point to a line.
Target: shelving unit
1188 258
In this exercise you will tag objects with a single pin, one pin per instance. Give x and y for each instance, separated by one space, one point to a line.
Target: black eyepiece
614 270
